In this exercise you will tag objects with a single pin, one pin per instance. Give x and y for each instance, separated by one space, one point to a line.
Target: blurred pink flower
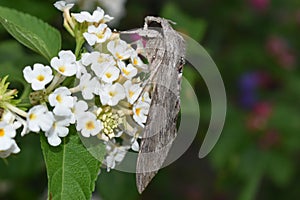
275 45
136 37
269 139
260 5
259 117
280 50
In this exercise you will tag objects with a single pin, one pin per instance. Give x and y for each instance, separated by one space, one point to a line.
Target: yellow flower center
108 75
101 59
119 56
111 93
131 93
135 61
90 125
58 98
2 132
138 111
125 71
100 35
40 77
32 116
62 69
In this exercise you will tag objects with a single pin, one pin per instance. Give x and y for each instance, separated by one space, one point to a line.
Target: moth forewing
164 52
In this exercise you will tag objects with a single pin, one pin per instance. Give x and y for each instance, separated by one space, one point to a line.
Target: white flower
7 131
107 18
62 5
7 143
62 100
38 77
10 118
115 154
80 67
120 49
39 118
84 16
146 98
132 91
134 135
140 112
110 74
87 86
134 144
79 108
65 64
137 62
116 9
59 129
111 94
97 34
88 124
103 65
12 149
99 62
128 71
15 120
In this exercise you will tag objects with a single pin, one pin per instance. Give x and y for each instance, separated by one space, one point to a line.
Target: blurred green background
255 44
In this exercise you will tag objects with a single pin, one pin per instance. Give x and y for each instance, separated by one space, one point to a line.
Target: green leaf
11 51
31 32
71 169
13 58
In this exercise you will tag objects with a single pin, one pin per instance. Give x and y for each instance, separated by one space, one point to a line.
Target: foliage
256 47
31 32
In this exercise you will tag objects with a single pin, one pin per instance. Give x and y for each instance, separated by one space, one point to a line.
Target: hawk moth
165 50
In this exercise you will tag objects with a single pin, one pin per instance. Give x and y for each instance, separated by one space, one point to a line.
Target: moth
165 51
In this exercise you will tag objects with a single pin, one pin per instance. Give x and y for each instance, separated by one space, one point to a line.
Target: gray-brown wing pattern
165 53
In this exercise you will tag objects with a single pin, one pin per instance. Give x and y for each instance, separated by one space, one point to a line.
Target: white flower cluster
8 126
107 101
115 8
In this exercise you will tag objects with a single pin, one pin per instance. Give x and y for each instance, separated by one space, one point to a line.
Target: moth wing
159 133
160 129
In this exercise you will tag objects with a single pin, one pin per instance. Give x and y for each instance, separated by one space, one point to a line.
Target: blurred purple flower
248 100
248 84
249 81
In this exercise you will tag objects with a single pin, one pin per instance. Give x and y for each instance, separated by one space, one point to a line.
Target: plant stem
74 89
58 78
15 110
79 43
